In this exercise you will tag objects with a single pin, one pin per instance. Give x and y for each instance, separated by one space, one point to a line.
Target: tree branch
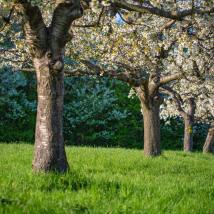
167 25
64 14
34 27
7 19
170 78
148 7
123 76
176 98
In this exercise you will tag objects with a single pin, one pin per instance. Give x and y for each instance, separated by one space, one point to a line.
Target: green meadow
107 180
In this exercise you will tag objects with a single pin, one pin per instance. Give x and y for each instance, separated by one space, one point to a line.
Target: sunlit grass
107 181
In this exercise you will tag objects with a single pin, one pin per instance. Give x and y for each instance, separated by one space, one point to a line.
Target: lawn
107 181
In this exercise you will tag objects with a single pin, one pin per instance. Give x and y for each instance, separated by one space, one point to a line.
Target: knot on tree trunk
57 66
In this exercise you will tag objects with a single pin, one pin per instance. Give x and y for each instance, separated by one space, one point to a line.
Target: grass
107 181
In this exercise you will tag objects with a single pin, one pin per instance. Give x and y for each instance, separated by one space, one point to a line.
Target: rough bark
189 117
209 143
188 134
49 152
150 106
151 120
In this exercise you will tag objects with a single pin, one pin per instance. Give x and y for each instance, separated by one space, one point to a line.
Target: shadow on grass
72 181
75 181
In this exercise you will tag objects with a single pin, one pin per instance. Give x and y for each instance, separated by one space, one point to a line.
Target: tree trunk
188 134
47 48
151 119
49 153
209 143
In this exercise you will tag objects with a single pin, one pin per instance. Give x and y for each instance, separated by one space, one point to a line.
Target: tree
209 143
193 104
188 116
147 56
208 116
46 46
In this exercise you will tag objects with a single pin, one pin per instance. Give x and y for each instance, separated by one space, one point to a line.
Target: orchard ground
107 181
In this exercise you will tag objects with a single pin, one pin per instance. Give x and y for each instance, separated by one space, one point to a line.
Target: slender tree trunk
188 134
151 119
49 152
189 118
209 143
